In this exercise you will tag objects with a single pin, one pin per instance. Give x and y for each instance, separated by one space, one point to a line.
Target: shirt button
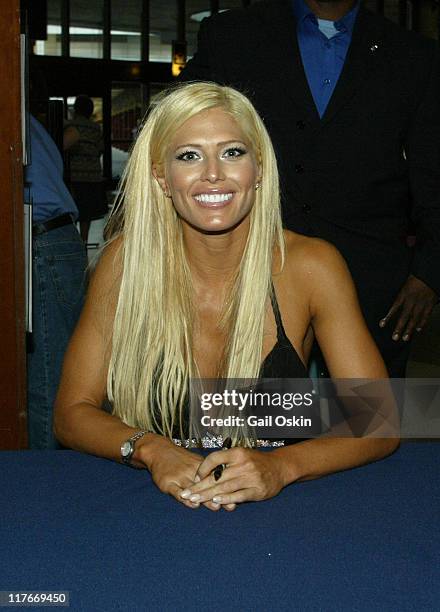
306 208
299 168
300 124
327 81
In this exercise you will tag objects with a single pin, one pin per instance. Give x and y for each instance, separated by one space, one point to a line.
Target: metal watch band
132 441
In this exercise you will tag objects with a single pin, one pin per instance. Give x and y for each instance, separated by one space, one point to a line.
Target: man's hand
250 475
414 302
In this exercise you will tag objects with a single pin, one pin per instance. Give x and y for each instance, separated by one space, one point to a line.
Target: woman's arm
321 274
350 353
80 422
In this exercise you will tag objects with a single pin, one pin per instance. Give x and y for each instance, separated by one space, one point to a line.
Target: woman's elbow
386 446
59 425
64 417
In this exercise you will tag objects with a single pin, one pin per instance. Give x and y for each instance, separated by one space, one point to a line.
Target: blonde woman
198 279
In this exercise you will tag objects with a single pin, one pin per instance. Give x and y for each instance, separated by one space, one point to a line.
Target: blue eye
188 156
234 152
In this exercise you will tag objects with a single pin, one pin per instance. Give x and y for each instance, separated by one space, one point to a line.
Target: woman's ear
259 170
160 178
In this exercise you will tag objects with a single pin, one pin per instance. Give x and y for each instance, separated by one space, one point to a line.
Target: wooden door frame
13 422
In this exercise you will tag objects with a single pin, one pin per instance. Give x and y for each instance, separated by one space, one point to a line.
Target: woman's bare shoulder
312 257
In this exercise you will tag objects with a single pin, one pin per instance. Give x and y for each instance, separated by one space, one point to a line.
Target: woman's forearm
86 428
316 458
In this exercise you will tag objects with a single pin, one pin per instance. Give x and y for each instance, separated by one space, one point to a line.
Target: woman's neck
214 258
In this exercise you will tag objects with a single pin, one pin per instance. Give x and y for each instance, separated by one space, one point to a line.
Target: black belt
47 226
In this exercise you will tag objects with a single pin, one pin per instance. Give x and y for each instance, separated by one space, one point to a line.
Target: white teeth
214 197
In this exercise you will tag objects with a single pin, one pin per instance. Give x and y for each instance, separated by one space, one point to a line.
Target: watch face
126 449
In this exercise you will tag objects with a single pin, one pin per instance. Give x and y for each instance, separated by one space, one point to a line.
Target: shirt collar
302 11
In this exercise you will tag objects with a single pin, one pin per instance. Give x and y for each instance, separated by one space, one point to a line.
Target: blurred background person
84 143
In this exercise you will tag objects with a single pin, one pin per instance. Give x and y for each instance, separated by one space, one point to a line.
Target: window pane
51 46
86 19
163 29
126 29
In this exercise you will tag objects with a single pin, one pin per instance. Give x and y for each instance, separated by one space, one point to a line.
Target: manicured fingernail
217 506
395 336
185 494
217 499
405 337
195 497
382 323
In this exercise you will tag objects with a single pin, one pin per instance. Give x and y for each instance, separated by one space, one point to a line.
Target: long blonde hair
151 359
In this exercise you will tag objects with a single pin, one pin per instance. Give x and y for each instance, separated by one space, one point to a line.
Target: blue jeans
59 264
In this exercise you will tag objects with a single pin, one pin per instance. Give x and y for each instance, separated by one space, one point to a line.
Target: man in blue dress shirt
323 45
351 101
58 273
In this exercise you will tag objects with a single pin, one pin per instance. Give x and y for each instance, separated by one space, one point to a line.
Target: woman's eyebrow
190 144
219 144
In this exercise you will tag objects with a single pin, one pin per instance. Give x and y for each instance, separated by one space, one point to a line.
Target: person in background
58 273
351 102
84 143
199 280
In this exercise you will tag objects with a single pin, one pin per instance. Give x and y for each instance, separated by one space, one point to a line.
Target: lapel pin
374 47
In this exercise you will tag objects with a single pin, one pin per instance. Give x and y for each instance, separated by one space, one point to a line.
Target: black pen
218 471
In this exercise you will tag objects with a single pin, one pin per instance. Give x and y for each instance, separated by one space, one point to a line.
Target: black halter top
283 361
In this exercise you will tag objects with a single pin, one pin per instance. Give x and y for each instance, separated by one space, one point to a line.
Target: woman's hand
250 475
172 468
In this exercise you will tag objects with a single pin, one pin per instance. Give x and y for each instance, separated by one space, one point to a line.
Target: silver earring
257 185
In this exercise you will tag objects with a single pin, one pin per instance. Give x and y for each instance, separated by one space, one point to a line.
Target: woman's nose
213 170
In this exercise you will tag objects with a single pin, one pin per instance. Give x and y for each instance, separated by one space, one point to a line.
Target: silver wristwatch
127 448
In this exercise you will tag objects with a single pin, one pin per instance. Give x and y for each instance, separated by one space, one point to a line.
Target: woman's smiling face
210 172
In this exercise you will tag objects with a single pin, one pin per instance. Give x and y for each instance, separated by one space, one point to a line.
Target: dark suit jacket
360 175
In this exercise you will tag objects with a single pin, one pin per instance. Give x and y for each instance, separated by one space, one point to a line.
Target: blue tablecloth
365 539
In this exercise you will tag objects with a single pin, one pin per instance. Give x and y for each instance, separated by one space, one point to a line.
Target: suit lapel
364 56
285 53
